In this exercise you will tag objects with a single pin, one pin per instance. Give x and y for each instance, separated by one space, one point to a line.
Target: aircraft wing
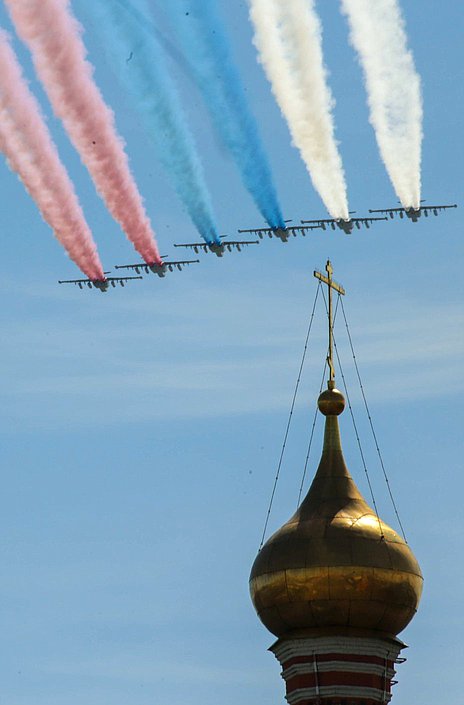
168 264
386 211
74 281
230 245
333 221
120 280
101 284
136 267
240 242
78 282
256 231
367 221
182 261
195 246
292 230
426 207
324 222
320 222
226 244
179 264
295 229
346 225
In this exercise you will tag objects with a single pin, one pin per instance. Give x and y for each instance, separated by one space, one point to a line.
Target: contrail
147 78
288 37
206 44
54 38
30 152
394 91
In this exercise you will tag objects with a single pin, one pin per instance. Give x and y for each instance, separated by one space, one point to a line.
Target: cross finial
330 285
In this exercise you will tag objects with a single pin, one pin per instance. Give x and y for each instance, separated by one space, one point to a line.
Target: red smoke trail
28 147
53 36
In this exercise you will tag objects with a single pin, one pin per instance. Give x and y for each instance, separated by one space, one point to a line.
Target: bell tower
335 584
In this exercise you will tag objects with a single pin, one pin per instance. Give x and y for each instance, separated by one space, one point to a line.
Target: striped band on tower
338 670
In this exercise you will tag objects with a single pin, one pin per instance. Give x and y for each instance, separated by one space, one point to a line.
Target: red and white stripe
338 670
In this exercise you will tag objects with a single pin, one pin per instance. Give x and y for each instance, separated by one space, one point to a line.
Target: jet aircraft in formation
283 234
218 248
159 269
101 284
414 213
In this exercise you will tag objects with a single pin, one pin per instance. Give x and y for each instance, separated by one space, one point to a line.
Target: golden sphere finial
331 402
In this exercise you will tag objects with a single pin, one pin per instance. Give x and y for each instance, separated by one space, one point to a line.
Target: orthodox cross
331 284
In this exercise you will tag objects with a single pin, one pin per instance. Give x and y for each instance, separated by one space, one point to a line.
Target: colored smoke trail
146 77
288 37
53 36
207 47
394 92
30 152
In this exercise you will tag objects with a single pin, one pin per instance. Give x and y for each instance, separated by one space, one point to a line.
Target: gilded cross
331 285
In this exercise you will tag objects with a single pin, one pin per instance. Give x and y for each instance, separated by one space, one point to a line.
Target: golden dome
335 563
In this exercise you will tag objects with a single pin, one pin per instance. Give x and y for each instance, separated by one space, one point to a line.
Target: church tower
335 584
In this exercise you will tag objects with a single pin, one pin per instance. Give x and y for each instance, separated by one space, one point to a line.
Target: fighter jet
218 248
414 213
159 269
282 234
346 225
102 284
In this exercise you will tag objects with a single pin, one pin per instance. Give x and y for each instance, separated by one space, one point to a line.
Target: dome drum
336 668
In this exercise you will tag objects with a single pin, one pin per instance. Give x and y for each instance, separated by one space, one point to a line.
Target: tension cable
289 419
374 435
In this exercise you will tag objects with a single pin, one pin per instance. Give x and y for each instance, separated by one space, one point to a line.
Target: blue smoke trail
207 47
139 58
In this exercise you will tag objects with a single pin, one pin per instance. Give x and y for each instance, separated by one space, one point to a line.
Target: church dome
335 564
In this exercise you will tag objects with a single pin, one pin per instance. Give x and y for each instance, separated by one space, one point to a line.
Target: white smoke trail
288 37
394 91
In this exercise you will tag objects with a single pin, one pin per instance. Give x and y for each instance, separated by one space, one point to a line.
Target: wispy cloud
128 359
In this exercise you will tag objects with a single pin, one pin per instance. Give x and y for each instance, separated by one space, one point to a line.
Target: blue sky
140 430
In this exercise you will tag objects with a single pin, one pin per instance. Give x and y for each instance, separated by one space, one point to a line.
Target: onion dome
335 564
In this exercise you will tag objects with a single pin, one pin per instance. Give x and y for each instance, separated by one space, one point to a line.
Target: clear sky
140 430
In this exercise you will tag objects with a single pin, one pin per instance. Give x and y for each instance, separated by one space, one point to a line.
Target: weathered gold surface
334 563
331 402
